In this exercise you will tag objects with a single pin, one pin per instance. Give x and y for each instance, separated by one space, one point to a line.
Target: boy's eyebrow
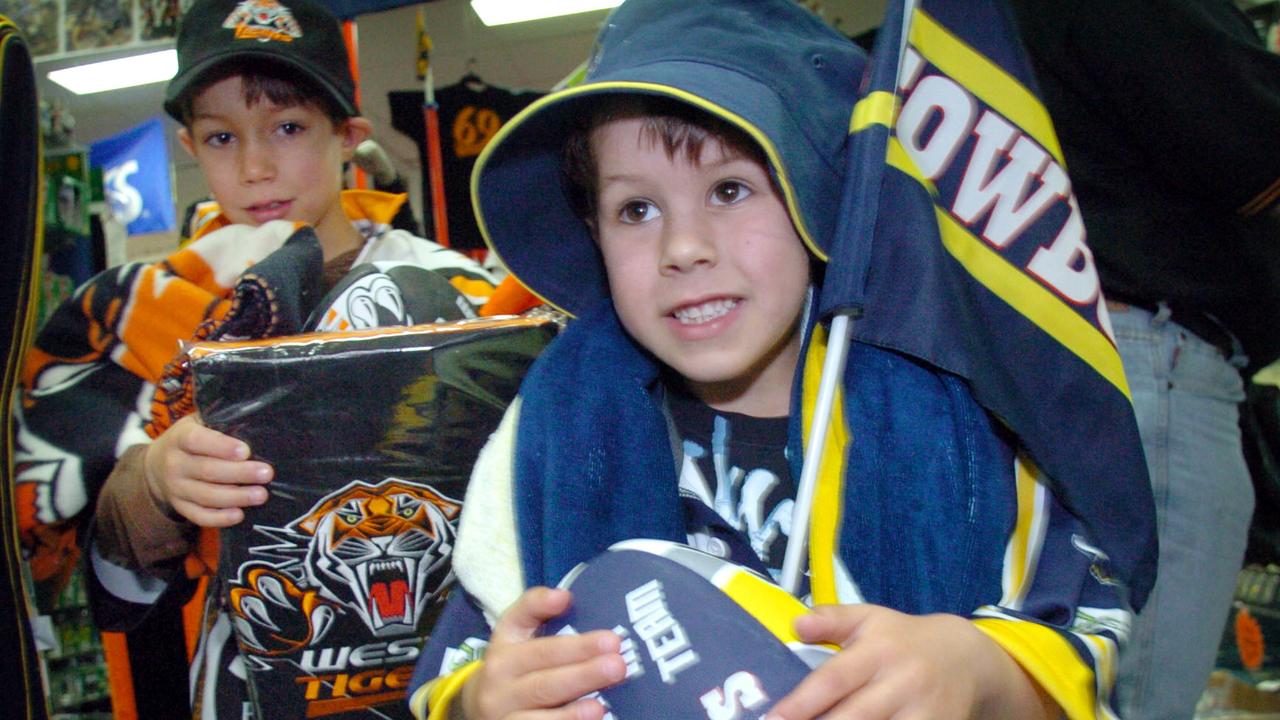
205 115
721 159
619 177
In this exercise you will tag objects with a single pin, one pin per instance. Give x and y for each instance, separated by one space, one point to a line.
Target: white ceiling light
502 12
120 73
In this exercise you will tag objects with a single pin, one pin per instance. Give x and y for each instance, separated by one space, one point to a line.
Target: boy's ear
353 130
184 138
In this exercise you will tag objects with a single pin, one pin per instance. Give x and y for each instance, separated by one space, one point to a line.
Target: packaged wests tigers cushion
334 583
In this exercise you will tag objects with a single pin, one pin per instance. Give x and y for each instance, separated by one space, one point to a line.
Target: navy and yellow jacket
935 511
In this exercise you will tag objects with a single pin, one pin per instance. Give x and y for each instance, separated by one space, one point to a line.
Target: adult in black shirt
1168 112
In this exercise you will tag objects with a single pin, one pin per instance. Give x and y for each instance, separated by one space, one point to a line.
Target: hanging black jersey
470 115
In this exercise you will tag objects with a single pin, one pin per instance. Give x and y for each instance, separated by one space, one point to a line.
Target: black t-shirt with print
736 482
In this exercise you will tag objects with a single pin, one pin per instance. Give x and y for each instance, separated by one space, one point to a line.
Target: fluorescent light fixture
502 12
119 73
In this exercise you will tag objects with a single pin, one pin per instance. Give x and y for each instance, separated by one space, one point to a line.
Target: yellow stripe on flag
984 79
1033 300
896 156
1016 288
877 108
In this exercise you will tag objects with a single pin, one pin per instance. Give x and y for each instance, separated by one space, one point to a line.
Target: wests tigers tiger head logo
263 20
381 551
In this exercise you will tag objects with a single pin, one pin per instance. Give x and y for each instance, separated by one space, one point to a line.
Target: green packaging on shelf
334 583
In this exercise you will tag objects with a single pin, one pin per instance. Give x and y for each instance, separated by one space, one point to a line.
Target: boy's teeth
706 312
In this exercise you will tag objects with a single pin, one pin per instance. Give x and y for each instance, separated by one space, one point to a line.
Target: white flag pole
793 563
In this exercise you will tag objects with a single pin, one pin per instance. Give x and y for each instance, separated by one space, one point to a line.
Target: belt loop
1237 358
1163 313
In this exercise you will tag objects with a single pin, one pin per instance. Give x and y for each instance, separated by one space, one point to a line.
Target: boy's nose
256 164
687 244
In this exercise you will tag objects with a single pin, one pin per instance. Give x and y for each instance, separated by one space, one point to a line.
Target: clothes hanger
473 81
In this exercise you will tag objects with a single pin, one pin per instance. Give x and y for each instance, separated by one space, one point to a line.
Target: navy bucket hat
768 67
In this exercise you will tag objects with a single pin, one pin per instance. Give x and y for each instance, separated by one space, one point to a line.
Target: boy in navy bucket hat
675 203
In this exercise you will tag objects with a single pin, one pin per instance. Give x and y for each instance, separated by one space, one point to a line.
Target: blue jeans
1186 397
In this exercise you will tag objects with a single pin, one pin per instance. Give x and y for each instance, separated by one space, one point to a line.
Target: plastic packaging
334 583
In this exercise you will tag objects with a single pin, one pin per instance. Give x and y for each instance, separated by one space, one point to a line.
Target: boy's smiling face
266 162
705 268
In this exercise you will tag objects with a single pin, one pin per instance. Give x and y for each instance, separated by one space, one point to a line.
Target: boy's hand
525 676
204 475
908 667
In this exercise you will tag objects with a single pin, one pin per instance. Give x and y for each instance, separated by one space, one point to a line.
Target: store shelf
93 652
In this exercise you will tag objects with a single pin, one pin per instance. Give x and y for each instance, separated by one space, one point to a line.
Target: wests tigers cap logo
264 20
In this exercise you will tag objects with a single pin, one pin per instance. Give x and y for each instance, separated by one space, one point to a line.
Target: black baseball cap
299 34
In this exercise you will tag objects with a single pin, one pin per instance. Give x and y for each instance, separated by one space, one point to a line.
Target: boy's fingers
578 710
213 470
208 517
215 496
555 652
833 682
523 619
884 700
837 624
197 439
557 687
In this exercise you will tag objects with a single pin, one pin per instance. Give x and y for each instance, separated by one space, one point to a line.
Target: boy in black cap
699 171
266 101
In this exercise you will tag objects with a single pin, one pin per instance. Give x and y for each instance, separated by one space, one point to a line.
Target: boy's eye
729 192
218 139
291 128
638 211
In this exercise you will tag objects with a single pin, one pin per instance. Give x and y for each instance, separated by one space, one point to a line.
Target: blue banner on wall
136 177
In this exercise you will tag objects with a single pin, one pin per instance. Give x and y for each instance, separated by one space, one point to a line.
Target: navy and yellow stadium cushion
702 637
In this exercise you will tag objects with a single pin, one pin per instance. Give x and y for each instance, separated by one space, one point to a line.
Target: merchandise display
76 671
1246 682
334 583
471 113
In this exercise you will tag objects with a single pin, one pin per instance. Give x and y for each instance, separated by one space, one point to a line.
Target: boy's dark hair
260 81
681 128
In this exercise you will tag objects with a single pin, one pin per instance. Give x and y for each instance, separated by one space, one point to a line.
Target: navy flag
960 199
961 243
